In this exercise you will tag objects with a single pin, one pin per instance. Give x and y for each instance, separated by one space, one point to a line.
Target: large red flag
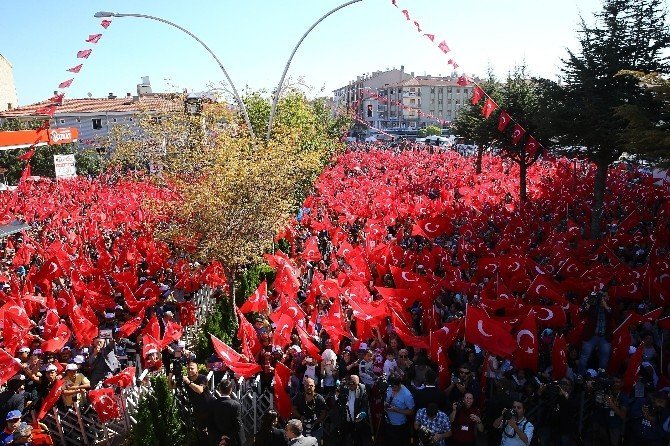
66 84
559 359
57 342
132 325
247 336
233 360
29 154
489 334
633 369
308 345
8 366
282 399
526 354
311 251
105 404
84 330
51 398
83 54
282 334
122 379
258 301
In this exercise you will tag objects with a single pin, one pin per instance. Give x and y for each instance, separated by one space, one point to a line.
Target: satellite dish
89 94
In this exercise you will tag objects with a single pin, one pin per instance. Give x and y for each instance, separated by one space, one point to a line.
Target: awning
26 138
12 228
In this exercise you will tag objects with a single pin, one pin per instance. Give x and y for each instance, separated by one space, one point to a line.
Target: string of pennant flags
532 147
50 108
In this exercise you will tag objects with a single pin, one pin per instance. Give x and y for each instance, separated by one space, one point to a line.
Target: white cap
37 351
631 350
363 346
169 313
24 350
51 368
79 359
110 315
71 366
153 350
181 344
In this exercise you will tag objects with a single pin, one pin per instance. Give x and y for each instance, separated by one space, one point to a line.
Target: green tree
144 433
471 124
585 112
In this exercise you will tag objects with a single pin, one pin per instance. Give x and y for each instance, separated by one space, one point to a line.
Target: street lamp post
277 91
225 73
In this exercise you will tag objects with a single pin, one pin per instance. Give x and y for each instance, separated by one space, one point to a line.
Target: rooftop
429 81
144 103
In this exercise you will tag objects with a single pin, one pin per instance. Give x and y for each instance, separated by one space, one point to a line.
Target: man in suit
226 417
294 434
354 414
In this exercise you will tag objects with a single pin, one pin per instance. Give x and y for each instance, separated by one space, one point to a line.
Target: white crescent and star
550 314
520 335
480 327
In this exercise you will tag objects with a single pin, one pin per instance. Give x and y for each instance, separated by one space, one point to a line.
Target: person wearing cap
23 435
24 353
75 384
47 381
12 422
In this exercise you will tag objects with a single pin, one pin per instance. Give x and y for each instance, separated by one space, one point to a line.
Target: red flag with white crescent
489 334
477 95
105 404
51 398
517 134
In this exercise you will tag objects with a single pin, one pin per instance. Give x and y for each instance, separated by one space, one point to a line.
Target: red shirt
463 429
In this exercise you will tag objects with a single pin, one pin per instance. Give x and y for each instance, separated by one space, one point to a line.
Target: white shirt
350 405
389 367
508 432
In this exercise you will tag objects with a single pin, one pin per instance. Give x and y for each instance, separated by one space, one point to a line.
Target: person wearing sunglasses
517 430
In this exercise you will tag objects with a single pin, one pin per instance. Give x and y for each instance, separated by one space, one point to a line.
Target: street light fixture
103 14
277 91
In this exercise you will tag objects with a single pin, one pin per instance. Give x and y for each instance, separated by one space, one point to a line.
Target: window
439 102
97 123
458 90
114 120
62 121
78 119
458 101
432 90
449 113
369 110
10 106
130 119
412 102
448 101
449 90
412 89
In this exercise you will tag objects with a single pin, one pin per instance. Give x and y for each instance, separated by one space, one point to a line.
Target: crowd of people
416 301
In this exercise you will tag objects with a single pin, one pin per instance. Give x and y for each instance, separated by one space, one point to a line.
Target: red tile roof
95 105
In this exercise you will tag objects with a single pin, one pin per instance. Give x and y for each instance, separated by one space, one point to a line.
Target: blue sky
253 39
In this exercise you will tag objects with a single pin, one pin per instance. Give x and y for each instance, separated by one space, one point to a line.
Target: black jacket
226 419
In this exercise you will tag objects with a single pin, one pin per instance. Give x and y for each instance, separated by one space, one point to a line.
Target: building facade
396 100
8 98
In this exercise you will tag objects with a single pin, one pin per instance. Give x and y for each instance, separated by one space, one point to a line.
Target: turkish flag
308 345
152 328
633 369
282 400
66 84
258 301
51 322
418 26
84 330
503 120
233 360
105 404
550 316
491 335
57 98
462 81
132 325
531 146
621 342
477 95
48 110
105 23
29 154
187 313
173 332
444 47
75 69
57 342
442 339
122 379
559 359
83 54
517 134
282 334
94 38
150 343
406 14
542 286
431 37
8 366
526 354
489 107
247 336
443 370
51 399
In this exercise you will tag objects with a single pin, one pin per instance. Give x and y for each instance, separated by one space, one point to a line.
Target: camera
425 435
460 405
508 414
177 371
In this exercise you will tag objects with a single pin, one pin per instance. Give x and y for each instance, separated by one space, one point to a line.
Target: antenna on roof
89 94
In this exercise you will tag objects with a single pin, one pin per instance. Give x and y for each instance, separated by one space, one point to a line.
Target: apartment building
8 98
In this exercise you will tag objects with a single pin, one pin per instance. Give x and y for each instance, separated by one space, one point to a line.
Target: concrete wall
8 97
